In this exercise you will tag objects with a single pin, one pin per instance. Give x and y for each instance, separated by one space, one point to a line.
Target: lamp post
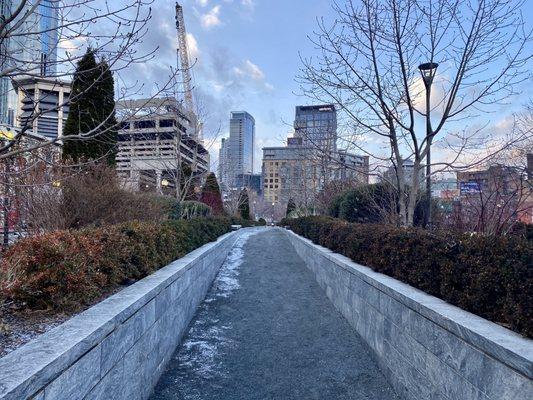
428 71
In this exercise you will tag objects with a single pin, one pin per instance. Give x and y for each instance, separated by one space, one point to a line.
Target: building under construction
158 149
160 141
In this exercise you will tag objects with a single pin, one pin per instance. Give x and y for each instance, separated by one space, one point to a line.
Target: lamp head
428 71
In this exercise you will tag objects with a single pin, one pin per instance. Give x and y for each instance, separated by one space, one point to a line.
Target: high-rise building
287 174
49 96
39 38
32 46
291 172
5 9
317 127
239 154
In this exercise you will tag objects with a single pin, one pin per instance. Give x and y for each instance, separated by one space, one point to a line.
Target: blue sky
247 55
247 58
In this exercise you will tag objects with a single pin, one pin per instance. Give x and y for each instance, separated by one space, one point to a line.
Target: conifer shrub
92 113
291 207
486 275
211 196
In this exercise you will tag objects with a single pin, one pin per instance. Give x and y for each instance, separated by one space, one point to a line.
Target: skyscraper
49 38
37 42
31 49
5 9
317 126
240 146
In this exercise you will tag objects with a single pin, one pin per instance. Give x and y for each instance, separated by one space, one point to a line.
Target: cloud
202 3
418 93
211 18
248 3
254 71
192 44
249 69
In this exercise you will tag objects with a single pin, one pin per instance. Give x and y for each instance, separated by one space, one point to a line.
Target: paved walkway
267 331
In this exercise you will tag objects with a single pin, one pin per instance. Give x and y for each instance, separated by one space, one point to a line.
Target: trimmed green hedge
66 270
489 276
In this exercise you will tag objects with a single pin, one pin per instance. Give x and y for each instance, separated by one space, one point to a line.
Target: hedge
66 270
488 276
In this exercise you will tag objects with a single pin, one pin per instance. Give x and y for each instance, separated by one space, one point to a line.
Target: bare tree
502 198
370 63
233 199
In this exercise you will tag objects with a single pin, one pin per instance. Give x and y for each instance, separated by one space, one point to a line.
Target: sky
246 56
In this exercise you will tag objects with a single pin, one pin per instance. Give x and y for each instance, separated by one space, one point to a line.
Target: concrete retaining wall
118 348
427 348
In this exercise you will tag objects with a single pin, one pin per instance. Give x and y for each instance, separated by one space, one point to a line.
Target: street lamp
428 72
165 183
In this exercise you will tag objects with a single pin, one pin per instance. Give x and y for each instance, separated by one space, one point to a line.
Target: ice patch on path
197 357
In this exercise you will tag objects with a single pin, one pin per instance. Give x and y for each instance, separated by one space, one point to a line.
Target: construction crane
183 59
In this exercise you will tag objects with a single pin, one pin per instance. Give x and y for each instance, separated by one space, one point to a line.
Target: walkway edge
419 340
120 346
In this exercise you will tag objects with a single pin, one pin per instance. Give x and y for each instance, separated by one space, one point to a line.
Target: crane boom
183 58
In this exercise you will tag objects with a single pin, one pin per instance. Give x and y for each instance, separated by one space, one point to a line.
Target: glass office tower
240 152
48 16
5 9
33 47
317 127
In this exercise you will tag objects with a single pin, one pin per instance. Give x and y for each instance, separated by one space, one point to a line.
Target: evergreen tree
291 206
211 194
91 112
244 205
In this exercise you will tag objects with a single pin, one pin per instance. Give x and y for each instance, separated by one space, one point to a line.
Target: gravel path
267 331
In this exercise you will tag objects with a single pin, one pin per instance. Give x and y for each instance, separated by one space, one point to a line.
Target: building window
166 123
144 124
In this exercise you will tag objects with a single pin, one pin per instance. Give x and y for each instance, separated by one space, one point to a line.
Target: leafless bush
90 197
